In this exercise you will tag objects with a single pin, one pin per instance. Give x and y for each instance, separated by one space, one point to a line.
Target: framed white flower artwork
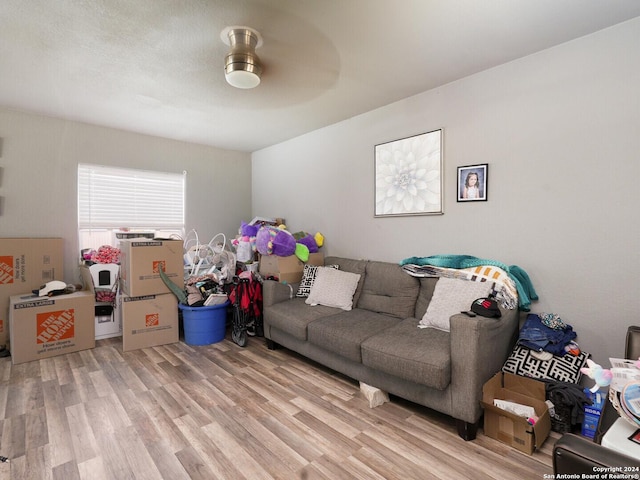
408 176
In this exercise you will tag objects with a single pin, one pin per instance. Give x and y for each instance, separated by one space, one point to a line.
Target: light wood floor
224 412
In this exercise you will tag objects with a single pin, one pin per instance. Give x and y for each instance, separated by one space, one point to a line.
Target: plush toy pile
271 240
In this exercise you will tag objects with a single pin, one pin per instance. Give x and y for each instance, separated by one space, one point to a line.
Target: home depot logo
157 264
6 270
152 320
54 326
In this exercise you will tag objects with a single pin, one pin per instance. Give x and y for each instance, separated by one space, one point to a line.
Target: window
113 200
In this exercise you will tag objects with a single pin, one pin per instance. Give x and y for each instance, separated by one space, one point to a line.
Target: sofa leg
466 430
271 345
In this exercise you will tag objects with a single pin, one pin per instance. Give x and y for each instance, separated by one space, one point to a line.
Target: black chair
573 454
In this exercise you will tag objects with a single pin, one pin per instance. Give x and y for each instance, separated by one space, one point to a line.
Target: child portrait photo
472 183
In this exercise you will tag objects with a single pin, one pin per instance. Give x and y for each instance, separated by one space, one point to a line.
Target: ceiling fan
242 66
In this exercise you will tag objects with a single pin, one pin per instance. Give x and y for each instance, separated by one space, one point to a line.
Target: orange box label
6 269
152 320
54 326
159 263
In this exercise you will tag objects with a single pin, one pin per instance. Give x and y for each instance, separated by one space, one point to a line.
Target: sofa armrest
275 292
574 454
479 348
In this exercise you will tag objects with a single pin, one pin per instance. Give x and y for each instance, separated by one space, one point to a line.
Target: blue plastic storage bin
204 325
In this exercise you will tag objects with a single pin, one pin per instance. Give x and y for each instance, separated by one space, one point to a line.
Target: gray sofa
378 341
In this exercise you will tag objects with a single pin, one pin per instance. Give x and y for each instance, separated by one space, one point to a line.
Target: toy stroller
246 298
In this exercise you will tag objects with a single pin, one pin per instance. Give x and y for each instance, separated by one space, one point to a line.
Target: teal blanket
526 292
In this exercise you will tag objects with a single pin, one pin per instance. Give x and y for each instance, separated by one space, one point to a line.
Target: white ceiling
156 66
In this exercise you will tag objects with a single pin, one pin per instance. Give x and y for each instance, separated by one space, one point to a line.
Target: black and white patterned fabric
308 277
563 369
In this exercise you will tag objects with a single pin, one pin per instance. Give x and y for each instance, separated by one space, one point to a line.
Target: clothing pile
545 334
568 401
547 337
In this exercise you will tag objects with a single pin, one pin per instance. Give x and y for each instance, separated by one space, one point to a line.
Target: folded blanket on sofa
520 278
504 288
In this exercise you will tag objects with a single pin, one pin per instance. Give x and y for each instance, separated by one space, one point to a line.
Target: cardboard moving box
141 260
43 327
287 269
26 264
507 427
148 321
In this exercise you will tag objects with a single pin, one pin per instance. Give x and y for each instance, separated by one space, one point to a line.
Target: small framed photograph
472 183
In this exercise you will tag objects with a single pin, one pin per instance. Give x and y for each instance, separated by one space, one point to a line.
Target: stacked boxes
43 327
140 263
149 312
26 264
148 320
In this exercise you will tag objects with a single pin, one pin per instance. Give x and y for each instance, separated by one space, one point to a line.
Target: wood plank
168 464
82 438
194 465
59 433
66 471
209 451
12 443
162 422
93 469
275 456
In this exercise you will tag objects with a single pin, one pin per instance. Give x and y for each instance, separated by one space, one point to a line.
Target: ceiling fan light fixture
242 67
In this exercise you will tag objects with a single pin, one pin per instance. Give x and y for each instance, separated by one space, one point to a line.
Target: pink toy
601 376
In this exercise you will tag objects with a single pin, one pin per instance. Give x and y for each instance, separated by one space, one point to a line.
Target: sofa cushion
309 273
344 332
388 289
451 296
421 355
333 288
350 265
294 315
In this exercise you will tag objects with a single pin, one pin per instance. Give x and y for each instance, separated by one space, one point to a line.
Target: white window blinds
113 198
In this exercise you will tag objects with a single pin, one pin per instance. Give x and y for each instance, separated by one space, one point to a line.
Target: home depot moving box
507 427
287 269
148 321
26 264
43 327
140 263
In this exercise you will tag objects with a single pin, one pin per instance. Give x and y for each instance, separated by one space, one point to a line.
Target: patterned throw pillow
308 277
562 369
333 288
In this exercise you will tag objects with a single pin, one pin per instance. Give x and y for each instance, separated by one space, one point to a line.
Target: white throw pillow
308 278
333 288
451 296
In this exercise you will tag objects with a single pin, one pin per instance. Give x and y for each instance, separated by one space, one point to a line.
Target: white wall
560 131
38 174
